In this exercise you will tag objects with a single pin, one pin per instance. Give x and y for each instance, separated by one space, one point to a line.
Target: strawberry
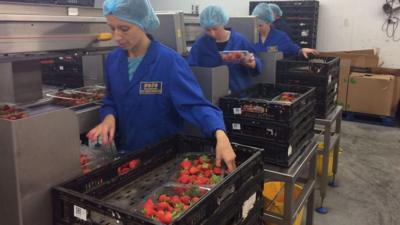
175 200
195 199
185 199
149 212
133 163
207 173
185 207
163 205
184 179
163 198
149 203
186 164
167 219
217 170
194 170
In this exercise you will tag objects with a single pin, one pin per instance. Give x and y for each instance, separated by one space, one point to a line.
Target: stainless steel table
303 171
331 139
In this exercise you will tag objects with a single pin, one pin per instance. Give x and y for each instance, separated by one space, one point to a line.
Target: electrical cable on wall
391 22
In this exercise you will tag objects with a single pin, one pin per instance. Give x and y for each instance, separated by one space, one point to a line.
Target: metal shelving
304 165
331 140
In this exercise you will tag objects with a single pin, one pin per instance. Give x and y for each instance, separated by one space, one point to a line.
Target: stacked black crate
276 118
321 73
302 17
62 71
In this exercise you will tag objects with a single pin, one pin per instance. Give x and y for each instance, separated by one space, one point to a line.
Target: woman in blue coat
205 51
272 37
150 88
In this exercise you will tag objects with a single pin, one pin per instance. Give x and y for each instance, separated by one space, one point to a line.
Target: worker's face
262 26
127 35
217 32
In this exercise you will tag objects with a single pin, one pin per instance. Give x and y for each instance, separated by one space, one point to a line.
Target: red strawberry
149 212
184 179
207 173
195 199
163 198
194 170
133 163
185 207
163 205
186 164
149 203
167 219
217 170
175 199
185 199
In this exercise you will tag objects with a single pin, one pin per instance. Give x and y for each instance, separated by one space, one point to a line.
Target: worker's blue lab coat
162 93
204 52
279 39
282 25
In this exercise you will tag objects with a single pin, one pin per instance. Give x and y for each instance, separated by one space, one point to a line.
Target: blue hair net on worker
276 9
263 12
213 16
138 12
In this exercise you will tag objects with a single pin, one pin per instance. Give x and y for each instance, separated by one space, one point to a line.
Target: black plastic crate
281 132
324 107
101 194
277 153
256 102
316 72
286 5
89 3
30 1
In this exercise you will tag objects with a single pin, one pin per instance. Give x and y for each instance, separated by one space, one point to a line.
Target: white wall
343 24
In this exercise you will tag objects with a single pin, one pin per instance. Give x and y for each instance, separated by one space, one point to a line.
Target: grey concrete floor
368 178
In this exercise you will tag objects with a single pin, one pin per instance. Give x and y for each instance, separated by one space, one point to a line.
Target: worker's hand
106 129
306 51
249 61
224 151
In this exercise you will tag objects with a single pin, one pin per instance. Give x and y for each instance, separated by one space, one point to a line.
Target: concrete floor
368 178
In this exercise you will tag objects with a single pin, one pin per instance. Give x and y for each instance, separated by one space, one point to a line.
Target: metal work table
331 140
304 165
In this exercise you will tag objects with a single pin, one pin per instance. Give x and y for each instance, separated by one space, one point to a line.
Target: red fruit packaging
234 56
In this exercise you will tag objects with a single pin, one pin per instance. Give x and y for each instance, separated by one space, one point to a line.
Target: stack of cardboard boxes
364 87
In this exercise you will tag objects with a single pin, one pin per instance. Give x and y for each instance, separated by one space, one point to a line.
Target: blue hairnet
276 9
138 12
213 16
263 12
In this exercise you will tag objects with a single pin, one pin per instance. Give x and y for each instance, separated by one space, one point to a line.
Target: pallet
369 118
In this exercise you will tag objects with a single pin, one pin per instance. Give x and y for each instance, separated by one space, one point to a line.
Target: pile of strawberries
167 207
11 113
125 168
200 171
288 96
233 56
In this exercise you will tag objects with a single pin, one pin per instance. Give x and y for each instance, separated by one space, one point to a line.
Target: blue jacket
163 92
282 25
205 53
281 40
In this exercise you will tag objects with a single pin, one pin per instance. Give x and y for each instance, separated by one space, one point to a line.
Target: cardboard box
372 51
371 94
344 75
357 60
